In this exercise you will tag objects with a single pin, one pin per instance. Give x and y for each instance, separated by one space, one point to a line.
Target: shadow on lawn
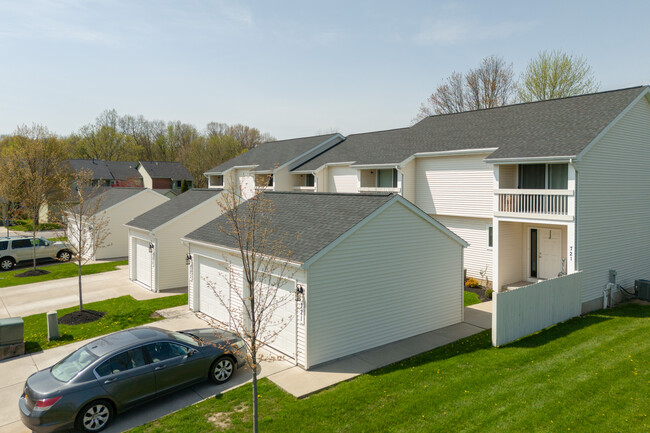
34 346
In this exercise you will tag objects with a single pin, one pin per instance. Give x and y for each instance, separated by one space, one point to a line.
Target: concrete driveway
52 295
14 372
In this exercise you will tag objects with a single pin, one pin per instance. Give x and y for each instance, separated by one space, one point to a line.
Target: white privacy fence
522 311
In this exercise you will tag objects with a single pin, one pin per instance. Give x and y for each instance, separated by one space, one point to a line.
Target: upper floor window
263 180
309 180
387 178
543 176
216 180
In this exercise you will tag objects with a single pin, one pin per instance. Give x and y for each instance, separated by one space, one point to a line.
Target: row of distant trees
131 138
552 74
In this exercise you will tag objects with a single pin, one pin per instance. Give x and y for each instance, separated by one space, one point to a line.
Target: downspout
575 222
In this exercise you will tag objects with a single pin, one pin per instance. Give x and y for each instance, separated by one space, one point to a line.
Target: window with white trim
490 233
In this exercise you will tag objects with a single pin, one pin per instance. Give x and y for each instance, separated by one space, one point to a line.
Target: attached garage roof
306 223
113 196
173 208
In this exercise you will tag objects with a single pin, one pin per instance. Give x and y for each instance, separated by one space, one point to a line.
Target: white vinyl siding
246 183
408 181
614 205
343 179
393 278
513 253
147 182
474 231
455 185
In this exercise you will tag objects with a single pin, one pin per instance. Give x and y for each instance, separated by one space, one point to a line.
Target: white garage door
142 262
214 277
283 322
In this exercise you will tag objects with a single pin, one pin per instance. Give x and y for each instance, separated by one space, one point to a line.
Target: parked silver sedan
90 386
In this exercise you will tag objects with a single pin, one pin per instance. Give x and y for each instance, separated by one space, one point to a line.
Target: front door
549 253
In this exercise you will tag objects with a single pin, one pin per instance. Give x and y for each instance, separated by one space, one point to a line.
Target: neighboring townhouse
117 206
268 166
156 255
364 270
164 175
536 189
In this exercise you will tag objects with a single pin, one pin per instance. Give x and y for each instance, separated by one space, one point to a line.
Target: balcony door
545 253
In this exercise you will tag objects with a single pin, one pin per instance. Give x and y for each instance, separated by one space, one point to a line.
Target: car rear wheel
7 263
222 369
95 416
64 256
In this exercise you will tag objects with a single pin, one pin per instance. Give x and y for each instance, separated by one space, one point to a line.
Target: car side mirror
47 243
192 352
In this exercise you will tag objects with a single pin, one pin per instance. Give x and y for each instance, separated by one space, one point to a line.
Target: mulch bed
480 291
80 317
32 273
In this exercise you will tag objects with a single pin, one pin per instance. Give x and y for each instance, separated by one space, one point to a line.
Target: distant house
119 205
164 174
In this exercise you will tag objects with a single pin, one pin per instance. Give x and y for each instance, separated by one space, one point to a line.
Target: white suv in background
14 250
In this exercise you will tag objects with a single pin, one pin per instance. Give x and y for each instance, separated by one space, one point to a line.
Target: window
387 178
216 180
124 361
4 245
543 176
490 236
309 180
164 351
71 365
179 183
263 180
21 243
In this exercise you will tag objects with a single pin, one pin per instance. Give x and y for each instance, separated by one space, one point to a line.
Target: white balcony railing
304 188
377 189
541 202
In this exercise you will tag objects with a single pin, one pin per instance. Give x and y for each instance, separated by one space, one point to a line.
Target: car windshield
185 338
71 365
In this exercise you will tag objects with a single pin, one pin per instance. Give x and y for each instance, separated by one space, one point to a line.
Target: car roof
121 340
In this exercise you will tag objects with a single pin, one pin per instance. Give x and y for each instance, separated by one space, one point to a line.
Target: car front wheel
64 256
95 416
222 369
7 263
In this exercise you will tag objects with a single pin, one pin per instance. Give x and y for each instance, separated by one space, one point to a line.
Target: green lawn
471 298
57 270
121 313
26 225
590 374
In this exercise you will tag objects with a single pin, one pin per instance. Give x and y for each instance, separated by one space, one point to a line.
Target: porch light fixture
188 259
300 291
150 247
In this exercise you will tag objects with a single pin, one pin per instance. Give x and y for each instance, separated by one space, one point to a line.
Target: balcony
552 204
377 189
304 188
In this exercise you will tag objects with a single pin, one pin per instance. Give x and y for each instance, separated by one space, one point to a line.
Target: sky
289 68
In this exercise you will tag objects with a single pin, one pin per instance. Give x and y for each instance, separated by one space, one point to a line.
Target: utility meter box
11 331
642 288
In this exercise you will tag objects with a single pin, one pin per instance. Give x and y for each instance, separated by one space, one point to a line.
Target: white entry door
214 290
550 253
142 263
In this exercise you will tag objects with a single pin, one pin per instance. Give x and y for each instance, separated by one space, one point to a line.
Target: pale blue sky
288 68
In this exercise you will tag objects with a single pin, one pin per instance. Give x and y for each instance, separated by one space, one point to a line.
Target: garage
364 270
213 280
143 262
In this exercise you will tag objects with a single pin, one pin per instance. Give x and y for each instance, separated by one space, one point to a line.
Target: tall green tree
206 152
555 74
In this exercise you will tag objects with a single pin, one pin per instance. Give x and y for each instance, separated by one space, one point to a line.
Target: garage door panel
280 326
214 290
143 262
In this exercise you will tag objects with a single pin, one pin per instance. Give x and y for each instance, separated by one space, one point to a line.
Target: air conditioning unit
642 288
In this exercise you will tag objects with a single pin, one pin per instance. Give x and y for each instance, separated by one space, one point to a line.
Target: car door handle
160 367
113 379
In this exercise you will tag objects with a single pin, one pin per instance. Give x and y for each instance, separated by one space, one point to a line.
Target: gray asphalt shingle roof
272 154
166 169
123 170
97 167
172 208
305 222
113 196
559 127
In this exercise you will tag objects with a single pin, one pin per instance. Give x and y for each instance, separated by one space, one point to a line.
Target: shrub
488 293
471 282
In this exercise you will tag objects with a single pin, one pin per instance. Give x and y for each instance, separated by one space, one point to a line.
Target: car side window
165 350
21 243
41 242
4 245
124 361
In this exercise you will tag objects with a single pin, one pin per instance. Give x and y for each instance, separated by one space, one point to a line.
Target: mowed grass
121 313
57 270
471 298
590 374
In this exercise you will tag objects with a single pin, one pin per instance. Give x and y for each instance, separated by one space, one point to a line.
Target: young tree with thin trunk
34 172
489 85
255 276
87 227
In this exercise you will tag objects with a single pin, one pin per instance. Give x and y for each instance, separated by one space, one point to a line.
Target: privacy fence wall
520 312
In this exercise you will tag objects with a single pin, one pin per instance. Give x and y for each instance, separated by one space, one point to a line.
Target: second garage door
143 263
214 277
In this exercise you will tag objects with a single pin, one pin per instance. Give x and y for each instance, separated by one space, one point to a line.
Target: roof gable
165 170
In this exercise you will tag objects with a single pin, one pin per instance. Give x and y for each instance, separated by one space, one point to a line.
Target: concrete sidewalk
52 295
302 383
